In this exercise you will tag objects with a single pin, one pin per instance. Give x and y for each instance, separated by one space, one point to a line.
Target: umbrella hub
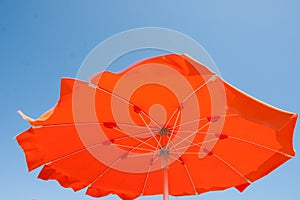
164 153
164 131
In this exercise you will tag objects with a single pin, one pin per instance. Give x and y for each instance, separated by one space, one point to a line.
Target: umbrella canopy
166 125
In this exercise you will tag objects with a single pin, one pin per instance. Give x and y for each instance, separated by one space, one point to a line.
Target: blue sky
255 45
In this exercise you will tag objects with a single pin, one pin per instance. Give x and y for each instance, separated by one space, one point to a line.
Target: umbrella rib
147 175
110 93
154 121
173 129
190 153
191 179
188 173
149 168
153 135
231 167
198 144
85 123
73 153
212 78
186 169
112 164
143 154
132 125
190 135
205 118
103 172
190 122
130 136
173 114
89 147
121 131
259 145
199 132
138 148
122 99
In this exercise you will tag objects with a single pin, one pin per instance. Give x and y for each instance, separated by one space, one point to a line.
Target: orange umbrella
166 125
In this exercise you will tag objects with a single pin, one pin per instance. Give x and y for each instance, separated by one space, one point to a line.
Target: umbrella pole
165 183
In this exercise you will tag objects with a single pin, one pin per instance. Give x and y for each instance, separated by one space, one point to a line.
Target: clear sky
255 45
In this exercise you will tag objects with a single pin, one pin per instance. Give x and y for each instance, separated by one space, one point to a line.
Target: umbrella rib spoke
90 147
189 153
138 145
190 122
199 132
85 123
138 148
147 175
142 154
186 169
153 120
103 172
190 135
204 118
73 153
132 125
173 129
113 163
149 168
111 93
130 136
212 78
184 131
95 145
231 167
153 135
260 145
136 138
197 144
191 180
173 114
122 99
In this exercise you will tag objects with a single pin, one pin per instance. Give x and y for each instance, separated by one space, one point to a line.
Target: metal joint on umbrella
36 126
213 77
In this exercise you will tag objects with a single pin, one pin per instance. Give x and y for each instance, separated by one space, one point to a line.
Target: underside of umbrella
166 125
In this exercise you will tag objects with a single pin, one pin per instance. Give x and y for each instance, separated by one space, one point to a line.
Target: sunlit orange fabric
251 140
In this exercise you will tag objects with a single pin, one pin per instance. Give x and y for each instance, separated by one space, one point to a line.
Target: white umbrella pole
165 183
